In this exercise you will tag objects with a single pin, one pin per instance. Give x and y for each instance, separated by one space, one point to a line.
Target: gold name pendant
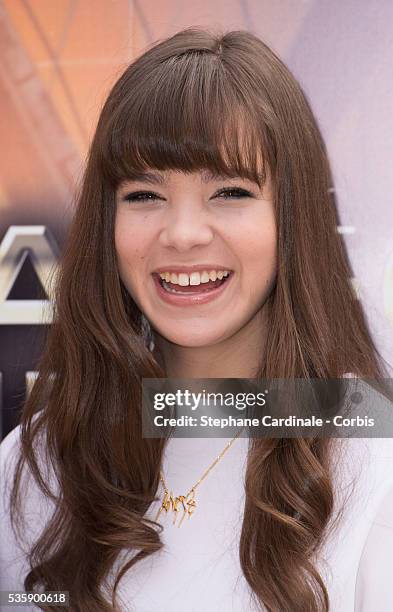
185 502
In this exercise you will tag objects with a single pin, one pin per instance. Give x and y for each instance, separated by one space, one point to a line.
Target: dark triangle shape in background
27 286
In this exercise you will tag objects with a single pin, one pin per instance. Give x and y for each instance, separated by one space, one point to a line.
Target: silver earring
147 334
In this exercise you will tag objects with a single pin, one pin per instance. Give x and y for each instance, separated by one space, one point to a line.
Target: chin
188 340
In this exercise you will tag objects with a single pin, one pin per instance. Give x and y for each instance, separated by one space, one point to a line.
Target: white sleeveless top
198 568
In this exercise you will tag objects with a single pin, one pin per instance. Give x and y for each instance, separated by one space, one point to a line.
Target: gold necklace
187 502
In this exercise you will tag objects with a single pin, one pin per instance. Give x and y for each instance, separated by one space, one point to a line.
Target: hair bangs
187 115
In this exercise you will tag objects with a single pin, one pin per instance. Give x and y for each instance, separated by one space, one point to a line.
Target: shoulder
10 449
12 558
35 508
365 464
370 524
32 497
375 571
9 453
10 444
363 486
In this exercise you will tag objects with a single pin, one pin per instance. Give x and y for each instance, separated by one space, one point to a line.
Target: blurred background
58 60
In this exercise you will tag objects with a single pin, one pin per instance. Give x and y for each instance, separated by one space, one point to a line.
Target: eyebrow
155 178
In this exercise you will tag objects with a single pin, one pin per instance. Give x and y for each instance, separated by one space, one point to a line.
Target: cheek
264 258
258 246
130 248
262 271
257 251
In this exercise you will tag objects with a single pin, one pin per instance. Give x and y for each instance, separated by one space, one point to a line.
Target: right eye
140 196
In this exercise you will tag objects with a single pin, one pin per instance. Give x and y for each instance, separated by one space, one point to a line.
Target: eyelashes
145 196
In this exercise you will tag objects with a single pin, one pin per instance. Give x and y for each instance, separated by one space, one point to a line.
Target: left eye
140 196
234 193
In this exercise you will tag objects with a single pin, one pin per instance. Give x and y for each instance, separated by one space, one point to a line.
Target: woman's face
173 220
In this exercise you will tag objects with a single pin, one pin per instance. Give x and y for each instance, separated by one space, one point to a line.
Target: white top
199 568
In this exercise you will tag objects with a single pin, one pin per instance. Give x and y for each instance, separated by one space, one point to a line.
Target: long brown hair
199 99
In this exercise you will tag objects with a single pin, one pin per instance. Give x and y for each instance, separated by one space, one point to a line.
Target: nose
186 227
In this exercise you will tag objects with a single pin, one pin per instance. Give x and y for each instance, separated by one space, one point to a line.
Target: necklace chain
187 502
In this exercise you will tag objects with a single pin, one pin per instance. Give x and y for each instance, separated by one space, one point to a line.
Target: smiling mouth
193 289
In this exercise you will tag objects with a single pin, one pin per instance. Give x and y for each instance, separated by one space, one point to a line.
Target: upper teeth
195 278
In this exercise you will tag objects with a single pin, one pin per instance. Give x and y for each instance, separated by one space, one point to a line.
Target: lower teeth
170 290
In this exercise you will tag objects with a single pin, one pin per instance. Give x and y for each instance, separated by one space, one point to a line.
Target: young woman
207 167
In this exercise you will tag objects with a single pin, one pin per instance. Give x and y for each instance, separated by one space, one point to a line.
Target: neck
236 357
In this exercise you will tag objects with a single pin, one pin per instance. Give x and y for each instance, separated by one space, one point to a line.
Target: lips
194 294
